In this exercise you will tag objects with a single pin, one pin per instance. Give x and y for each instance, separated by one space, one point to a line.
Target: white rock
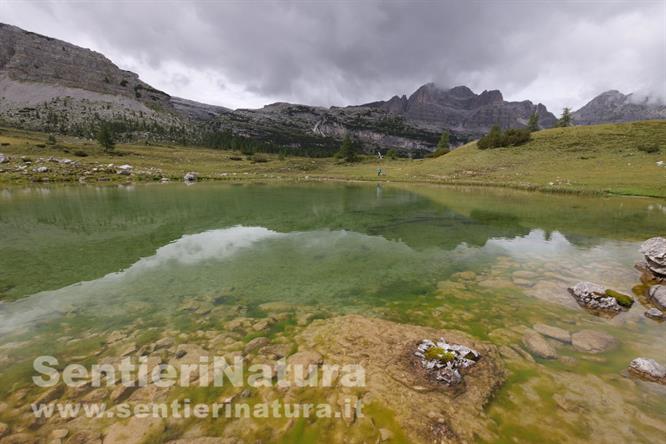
648 369
190 177
125 170
593 296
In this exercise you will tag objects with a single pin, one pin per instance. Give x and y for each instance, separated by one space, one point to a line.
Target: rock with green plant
599 299
445 361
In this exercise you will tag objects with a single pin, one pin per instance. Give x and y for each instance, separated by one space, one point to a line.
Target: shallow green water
82 259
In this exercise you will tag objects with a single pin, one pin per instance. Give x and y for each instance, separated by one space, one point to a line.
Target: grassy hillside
603 158
589 158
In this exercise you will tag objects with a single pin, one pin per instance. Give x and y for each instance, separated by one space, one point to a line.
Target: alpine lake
89 274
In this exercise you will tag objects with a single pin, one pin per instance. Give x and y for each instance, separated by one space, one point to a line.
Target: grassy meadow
609 159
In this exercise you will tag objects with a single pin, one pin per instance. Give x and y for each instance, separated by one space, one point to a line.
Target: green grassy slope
585 158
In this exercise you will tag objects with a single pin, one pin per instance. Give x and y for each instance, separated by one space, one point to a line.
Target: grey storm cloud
349 52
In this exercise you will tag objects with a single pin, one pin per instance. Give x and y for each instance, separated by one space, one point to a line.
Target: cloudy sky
339 52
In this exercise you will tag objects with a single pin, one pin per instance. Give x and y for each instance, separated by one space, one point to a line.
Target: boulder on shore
648 369
190 177
124 170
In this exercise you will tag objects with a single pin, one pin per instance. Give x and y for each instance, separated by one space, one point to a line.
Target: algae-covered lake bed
337 274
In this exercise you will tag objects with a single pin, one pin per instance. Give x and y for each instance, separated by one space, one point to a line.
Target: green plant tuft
438 354
622 299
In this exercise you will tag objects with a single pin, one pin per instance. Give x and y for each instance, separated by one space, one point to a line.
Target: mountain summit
614 107
460 109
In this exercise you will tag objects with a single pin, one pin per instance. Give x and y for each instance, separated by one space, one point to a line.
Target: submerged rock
596 298
556 333
657 295
538 346
654 250
134 431
655 313
591 341
445 361
648 369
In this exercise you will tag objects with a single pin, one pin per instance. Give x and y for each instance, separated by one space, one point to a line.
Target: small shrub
5 144
347 151
235 158
51 140
392 154
515 137
650 149
511 137
40 145
439 152
80 153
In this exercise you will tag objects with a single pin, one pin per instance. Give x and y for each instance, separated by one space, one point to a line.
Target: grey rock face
593 297
614 107
657 295
648 369
654 250
591 341
31 57
459 108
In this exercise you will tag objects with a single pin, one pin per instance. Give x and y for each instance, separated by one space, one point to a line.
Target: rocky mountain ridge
50 85
614 107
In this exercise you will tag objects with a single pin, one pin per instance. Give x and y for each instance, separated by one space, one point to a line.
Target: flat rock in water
538 346
394 376
658 296
556 333
648 369
592 341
